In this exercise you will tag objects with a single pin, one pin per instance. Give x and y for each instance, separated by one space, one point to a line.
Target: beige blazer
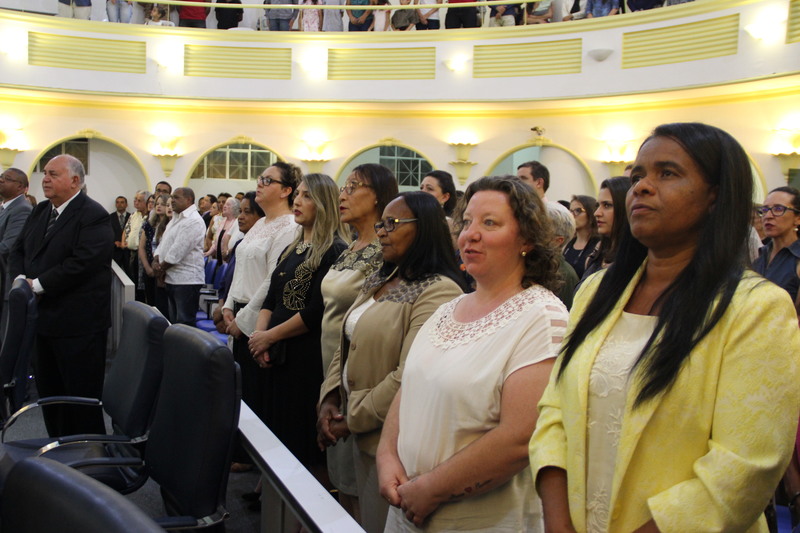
707 454
377 352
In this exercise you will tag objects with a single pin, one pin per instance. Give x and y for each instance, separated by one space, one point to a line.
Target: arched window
237 161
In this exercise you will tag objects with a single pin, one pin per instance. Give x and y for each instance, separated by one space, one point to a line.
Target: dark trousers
192 23
461 17
360 27
431 25
162 301
183 303
71 366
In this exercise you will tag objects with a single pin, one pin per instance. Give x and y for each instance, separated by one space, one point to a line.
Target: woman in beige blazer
418 275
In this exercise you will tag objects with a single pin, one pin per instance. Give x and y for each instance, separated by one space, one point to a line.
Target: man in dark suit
13 214
118 219
15 209
64 252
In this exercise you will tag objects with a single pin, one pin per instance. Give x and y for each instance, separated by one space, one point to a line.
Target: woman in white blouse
256 257
452 454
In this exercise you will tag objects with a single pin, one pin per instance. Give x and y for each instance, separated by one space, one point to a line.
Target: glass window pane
238 165
217 165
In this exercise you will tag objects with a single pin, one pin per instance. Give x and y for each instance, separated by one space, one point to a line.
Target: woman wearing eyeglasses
453 454
366 192
577 250
417 276
778 260
256 257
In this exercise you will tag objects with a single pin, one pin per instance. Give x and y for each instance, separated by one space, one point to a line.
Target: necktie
121 221
51 222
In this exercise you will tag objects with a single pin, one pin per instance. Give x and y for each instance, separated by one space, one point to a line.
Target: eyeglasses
777 210
390 224
262 180
352 186
577 211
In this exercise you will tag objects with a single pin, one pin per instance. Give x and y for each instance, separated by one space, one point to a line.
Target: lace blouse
609 382
452 389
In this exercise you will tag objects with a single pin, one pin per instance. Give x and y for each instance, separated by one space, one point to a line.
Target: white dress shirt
182 246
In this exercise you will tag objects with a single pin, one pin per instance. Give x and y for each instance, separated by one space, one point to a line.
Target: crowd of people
284 19
398 344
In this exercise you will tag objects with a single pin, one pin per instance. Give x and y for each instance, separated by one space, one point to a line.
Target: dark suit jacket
120 254
73 264
12 219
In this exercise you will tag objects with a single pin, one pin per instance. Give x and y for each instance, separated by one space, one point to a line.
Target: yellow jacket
706 455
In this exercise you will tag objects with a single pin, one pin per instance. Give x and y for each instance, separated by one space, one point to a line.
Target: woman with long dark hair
152 230
580 247
612 222
672 407
417 276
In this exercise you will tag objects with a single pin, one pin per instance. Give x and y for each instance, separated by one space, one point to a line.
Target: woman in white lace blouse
452 456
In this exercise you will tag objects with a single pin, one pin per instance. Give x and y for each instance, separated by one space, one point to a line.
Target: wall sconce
786 147
7 154
314 62
599 54
768 24
313 154
169 55
315 166
788 162
14 44
462 164
167 162
616 168
457 63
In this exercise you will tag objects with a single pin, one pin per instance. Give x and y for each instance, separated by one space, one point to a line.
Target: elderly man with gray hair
64 253
563 229
130 240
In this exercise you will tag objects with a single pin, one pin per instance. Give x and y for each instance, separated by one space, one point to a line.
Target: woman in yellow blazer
418 275
674 403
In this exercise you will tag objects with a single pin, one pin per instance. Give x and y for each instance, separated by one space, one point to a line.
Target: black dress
291 389
578 258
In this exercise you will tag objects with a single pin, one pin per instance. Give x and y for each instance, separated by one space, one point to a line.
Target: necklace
301 248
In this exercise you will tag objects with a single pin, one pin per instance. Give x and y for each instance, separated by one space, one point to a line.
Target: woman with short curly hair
452 454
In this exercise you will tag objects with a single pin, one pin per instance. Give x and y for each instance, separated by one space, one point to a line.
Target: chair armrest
51 400
106 461
190 522
85 439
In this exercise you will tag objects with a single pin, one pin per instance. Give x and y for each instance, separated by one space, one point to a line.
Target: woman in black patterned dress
286 342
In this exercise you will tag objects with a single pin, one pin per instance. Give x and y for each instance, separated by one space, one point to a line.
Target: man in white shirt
537 176
179 257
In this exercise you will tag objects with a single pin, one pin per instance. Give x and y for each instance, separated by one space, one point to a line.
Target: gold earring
524 253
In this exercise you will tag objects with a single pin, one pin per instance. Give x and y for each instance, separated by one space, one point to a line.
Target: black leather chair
15 354
43 496
129 397
191 439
